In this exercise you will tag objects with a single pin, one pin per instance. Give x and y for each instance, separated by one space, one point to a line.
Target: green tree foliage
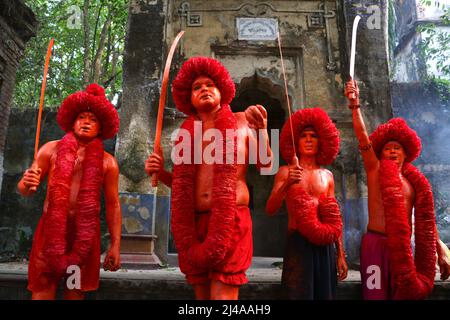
85 50
435 44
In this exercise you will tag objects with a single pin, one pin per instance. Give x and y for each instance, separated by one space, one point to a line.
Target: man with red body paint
211 221
395 187
314 252
78 170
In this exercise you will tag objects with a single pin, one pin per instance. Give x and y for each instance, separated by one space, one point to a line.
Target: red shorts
239 257
38 278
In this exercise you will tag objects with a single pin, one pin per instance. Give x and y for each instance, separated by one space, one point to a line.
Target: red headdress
201 66
324 127
93 99
398 130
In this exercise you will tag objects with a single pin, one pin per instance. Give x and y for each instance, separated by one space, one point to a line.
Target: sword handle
34 188
157 150
154 180
295 160
352 96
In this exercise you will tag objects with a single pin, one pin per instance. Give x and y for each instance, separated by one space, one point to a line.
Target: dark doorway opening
269 232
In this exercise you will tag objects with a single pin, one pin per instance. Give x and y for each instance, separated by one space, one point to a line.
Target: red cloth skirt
40 279
239 257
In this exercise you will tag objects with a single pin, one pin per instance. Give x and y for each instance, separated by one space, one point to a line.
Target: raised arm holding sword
395 187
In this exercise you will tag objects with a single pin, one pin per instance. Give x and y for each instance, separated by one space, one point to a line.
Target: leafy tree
435 45
89 41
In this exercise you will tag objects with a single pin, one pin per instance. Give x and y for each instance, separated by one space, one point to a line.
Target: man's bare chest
314 182
408 191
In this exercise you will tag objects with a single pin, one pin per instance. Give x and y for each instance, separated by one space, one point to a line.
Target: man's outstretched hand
256 117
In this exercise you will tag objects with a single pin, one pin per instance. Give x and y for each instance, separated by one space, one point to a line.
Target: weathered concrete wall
407 63
304 47
405 18
429 114
142 69
17 26
19 215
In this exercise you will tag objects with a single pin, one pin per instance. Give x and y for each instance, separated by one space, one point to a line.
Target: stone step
169 283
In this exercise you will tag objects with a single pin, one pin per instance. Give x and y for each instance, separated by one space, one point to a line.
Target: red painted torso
315 182
204 172
375 202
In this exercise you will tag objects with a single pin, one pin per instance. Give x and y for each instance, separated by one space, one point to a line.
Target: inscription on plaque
257 29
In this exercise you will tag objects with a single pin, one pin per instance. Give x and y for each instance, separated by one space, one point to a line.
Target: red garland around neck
413 277
193 255
56 250
322 226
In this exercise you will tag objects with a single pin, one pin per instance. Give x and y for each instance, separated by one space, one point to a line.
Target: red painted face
204 94
86 126
308 143
394 151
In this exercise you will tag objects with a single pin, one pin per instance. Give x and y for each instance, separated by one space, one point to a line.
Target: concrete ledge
169 284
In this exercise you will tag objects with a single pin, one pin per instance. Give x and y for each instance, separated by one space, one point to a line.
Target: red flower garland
57 253
193 256
413 277
321 227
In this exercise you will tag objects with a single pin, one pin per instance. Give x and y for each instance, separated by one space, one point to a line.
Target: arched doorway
269 232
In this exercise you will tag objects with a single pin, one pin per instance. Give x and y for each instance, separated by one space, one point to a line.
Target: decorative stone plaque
257 29
194 20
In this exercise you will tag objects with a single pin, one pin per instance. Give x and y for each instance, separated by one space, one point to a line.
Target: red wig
193 68
93 99
396 130
324 128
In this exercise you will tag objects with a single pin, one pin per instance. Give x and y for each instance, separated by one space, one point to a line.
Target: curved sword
353 50
162 102
41 102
